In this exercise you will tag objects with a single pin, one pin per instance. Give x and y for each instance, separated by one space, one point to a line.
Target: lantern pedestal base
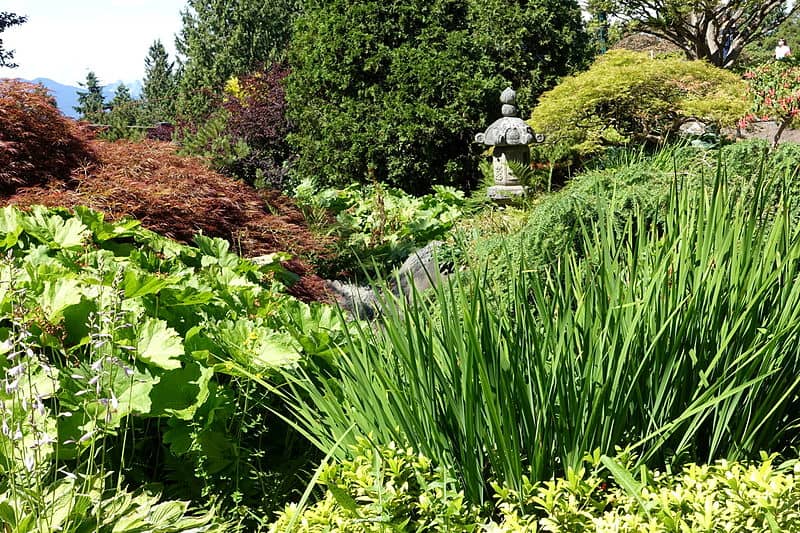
506 194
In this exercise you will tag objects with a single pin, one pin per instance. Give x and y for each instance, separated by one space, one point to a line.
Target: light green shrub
626 98
723 497
387 489
396 489
82 504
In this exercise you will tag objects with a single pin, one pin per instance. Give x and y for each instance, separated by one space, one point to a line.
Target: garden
184 342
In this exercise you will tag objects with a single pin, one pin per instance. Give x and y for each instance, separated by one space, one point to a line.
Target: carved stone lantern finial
509 136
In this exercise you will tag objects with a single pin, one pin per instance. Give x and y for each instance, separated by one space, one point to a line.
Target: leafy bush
627 98
378 226
112 335
774 91
394 489
37 142
654 336
603 495
257 115
386 489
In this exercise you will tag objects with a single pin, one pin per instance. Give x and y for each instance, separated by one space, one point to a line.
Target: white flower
15 371
11 387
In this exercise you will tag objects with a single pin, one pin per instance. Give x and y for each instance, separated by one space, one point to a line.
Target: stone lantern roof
509 130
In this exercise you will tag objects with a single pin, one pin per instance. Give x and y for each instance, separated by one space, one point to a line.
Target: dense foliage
223 38
256 115
396 92
116 335
385 489
560 354
376 227
37 142
391 488
630 98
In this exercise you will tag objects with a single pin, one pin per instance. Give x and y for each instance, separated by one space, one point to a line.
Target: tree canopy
714 30
6 21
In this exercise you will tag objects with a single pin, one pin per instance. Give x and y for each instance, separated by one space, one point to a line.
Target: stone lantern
509 136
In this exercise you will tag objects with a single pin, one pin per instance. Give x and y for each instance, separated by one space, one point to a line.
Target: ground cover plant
654 336
119 353
375 227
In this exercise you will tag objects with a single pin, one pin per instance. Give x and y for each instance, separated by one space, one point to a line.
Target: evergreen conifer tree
123 115
160 85
90 102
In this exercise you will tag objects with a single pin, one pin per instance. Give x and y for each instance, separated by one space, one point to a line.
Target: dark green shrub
627 98
395 92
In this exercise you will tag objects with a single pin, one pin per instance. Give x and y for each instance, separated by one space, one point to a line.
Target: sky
64 39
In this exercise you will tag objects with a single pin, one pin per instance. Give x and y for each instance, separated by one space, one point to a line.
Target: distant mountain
67 95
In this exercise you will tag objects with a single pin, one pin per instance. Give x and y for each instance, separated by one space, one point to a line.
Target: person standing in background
782 50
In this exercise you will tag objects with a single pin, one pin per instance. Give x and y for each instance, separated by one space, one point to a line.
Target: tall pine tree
160 85
91 101
123 116
224 38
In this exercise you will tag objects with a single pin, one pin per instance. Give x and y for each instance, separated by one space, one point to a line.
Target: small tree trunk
778 133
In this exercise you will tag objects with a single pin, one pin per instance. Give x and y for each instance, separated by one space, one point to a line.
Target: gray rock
693 128
361 302
421 270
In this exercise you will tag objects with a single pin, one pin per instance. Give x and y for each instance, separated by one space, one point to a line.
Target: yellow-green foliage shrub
394 489
628 97
391 488
723 497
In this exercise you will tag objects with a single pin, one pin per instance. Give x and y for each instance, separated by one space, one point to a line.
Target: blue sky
65 39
